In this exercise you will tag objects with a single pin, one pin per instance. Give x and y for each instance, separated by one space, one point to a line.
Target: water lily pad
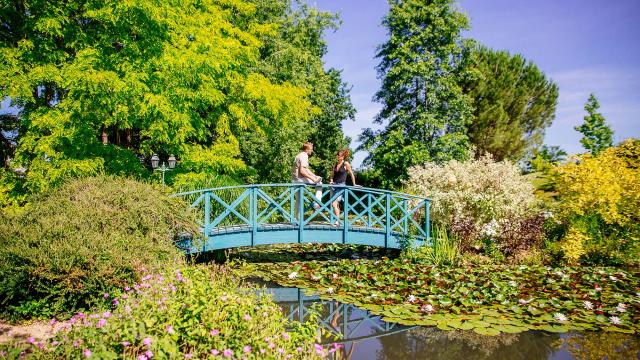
486 331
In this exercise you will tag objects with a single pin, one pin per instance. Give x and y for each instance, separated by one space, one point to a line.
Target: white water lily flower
559 317
588 305
330 290
427 308
597 288
523 301
613 278
315 277
335 276
293 275
621 308
559 273
411 298
615 320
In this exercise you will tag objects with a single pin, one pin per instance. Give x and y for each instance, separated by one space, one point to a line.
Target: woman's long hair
344 153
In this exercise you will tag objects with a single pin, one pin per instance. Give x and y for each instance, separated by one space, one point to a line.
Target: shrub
189 312
479 199
599 198
67 248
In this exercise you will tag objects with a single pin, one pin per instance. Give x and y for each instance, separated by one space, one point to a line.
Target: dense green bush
181 313
68 247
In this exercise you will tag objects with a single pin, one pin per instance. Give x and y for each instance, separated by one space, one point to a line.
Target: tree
423 105
596 134
545 158
98 83
514 103
294 54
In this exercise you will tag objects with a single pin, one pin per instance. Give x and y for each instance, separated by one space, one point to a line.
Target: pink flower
318 347
142 357
214 352
115 302
188 356
214 332
31 340
224 298
247 349
86 353
127 309
281 350
286 336
125 343
246 317
148 354
265 314
147 341
298 349
227 353
106 295
126 288
101 323
262 351
76 343
271 345
52 322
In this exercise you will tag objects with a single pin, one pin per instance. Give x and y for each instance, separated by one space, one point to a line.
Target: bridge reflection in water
343 323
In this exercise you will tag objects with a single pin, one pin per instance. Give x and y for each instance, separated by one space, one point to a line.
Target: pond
366 336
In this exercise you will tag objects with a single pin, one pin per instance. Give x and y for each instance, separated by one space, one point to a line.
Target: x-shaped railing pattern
252 208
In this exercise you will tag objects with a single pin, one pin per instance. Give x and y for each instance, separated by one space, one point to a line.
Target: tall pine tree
596 134
424 107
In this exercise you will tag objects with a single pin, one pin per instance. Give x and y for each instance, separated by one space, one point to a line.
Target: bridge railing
253 208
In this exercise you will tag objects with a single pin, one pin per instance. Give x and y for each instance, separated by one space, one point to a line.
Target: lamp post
155 160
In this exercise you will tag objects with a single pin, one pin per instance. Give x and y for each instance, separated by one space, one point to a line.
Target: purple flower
247 349
286 336
214 352
318 347
214 332
101 323
146 341
52 322
86 353
227 353
115 302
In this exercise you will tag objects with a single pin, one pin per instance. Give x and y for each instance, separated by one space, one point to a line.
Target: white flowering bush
479 199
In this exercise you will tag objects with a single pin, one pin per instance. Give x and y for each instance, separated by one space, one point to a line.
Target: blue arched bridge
262 214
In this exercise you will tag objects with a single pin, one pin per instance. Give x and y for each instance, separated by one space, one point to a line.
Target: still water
366 336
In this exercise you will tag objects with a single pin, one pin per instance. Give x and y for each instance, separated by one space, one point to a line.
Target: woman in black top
339 178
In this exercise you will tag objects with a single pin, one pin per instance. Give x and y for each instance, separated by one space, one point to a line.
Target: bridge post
301 214
387 226
345 229
207 217
369 210
427 227
405 223
253 214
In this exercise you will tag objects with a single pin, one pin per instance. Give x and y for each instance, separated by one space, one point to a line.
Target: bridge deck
315 225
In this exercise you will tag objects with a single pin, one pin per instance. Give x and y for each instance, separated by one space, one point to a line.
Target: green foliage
143 76
596 134
181 313
443 250
426 110
68 247
513 100
486 299
599 198
294 54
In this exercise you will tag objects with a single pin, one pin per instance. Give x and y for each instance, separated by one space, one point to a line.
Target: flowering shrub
479 199
599 201
70 246
192 312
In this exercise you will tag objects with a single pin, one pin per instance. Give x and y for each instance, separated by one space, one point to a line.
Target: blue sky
583 45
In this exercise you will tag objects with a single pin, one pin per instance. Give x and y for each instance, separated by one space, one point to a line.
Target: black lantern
154 161
172 161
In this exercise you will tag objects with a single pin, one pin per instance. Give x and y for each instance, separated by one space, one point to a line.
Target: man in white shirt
302 174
